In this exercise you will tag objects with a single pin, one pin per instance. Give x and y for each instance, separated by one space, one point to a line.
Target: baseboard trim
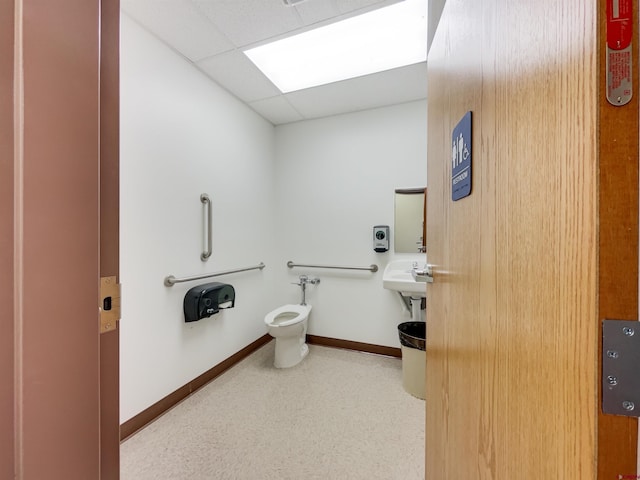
147 416
358 346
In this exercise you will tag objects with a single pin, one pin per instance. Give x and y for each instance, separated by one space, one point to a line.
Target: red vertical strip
619 24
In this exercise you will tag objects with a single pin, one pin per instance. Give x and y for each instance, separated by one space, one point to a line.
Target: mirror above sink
409 220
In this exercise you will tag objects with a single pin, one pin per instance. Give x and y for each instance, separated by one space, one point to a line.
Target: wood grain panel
512 342
617 245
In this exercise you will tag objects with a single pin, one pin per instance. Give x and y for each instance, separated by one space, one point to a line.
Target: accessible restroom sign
461 158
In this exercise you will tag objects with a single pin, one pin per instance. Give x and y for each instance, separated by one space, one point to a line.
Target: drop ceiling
211 34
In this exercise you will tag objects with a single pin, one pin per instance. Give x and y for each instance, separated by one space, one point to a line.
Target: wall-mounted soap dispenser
205 300
381 238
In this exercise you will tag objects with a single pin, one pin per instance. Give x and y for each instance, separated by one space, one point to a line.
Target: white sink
398 276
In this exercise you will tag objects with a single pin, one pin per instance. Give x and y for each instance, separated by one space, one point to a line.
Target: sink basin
398 276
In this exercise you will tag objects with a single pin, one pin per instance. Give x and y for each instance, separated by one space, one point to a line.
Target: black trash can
413 336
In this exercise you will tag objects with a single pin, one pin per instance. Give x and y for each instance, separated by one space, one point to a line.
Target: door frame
110 232
618 256
58 168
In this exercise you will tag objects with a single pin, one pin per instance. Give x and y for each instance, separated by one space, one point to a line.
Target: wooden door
513 314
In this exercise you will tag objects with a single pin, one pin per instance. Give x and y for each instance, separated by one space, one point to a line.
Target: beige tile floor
337 415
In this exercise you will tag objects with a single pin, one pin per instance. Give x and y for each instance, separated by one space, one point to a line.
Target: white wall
336 179
182 136
308 192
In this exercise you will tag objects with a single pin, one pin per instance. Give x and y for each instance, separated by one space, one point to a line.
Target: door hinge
621 367
109 304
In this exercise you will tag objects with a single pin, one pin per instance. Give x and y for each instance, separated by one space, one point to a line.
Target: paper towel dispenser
205 300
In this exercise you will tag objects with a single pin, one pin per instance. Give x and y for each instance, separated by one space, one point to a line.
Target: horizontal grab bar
170 281
371 268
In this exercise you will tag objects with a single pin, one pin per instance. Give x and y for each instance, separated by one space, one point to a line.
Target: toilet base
289 351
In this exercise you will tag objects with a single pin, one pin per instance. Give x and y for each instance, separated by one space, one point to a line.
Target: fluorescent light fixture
379 40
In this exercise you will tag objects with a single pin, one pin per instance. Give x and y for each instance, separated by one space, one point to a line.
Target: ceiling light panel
379 40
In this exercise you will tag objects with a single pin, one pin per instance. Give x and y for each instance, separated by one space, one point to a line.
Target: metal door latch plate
621 367
109 304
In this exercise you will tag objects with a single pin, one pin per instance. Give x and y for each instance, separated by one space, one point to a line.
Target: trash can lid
413 334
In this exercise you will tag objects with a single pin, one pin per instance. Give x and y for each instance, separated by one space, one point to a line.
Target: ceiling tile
323 12
399 85
277 110
180 24
235 72
314 11
347 6
248 21
209 32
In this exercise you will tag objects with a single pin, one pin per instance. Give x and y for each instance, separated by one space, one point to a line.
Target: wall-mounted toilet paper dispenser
205 300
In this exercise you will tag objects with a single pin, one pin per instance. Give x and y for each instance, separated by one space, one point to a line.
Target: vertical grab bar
206 201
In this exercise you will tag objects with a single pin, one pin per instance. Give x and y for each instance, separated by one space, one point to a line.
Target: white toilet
288 325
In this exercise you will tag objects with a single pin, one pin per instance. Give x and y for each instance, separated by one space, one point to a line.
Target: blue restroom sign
461 158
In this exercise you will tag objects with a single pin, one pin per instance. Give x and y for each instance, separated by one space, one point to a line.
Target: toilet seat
287 315
288 326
